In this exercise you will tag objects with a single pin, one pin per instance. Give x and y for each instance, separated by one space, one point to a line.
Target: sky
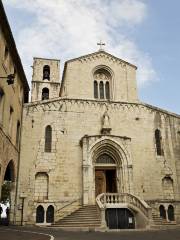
143 32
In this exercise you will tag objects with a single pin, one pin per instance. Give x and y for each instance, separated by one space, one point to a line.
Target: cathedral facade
89 143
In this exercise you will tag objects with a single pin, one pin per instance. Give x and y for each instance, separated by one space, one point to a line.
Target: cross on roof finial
101 44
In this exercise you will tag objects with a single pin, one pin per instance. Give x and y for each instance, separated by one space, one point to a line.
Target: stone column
103 218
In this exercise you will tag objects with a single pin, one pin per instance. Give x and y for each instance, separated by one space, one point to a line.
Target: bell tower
45 79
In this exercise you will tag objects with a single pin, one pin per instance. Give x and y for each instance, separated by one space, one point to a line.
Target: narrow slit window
48 138
107 90
1 104
95 89
101 90
158 142
18 134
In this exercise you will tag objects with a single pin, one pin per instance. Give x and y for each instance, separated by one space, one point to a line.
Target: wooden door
119 218
100 182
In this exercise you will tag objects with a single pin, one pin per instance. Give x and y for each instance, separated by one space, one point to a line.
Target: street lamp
10 78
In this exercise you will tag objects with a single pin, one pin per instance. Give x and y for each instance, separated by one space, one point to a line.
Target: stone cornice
58 83
100 102
109 56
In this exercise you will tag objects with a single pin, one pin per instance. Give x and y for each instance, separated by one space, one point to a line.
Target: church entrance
105 181
105 175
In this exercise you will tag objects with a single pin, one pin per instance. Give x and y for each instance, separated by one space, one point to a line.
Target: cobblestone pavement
34 233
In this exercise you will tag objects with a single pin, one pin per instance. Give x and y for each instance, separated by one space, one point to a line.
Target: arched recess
45 94
170 213
9 178
46 72
50 214
9 173
167 186
122 164
162 212
41 186
39 214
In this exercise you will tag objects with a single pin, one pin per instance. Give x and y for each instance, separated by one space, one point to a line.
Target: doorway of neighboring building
6 190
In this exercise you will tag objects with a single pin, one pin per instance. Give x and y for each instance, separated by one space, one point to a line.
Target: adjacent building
14 91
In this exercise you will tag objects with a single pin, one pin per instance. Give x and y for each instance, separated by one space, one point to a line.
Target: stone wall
71 120
38 83
78 77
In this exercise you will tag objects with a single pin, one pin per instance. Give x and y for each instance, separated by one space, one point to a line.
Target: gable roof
88 56
100 52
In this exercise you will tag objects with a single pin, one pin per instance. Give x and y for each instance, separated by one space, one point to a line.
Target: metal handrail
68 204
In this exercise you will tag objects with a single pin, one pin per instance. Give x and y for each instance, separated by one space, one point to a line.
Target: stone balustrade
107 200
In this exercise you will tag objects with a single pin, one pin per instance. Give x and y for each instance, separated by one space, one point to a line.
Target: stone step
86 216
79 220
75 226
79 223
83 218
83 215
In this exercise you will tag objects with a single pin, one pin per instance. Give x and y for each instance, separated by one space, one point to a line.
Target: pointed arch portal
107 166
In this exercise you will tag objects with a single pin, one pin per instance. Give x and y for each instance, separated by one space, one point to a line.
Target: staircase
158 222
84 217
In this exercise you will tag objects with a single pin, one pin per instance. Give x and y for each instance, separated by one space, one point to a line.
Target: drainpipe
22 211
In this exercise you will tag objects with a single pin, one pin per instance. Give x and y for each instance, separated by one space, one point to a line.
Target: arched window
39 214
171 213
162 212
1 104
50 214
101 90
48 138
46 72
102 79
9 173
158 142
95 89
45 93
17 134
107 90
41 186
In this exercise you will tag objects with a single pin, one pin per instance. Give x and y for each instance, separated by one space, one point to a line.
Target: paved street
34 233
7 233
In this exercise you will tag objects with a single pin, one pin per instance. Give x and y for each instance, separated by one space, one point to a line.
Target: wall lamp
10 79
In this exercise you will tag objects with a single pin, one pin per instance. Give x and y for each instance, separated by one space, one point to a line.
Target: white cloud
69 28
